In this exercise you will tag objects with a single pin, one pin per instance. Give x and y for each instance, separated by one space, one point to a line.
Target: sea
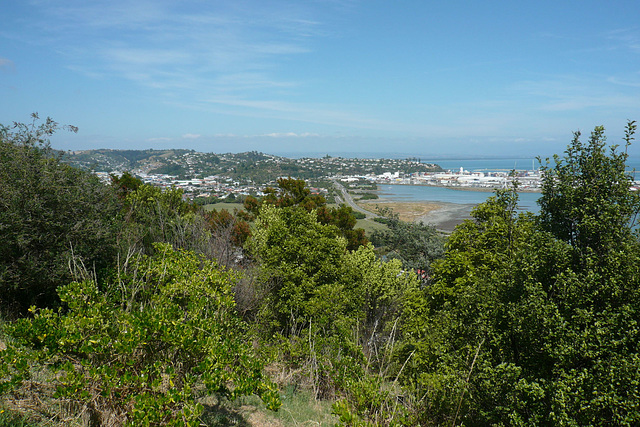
423 193
427 193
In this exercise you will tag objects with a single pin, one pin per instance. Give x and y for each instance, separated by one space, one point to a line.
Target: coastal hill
250 166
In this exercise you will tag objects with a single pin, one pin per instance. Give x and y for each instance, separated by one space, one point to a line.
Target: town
208 177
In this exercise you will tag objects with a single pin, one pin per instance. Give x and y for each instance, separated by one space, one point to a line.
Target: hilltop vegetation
127 305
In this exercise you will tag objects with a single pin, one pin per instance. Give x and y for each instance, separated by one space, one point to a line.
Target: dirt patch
407 211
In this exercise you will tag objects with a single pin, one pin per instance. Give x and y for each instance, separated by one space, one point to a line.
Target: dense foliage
534 320
314 285
143 350
293 192
522 319
50 213
136 338
416 244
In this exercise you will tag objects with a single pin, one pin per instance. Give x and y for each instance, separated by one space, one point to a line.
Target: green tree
344 218
533 320
156 215
294 192
586 199
125 184
142 351
299 256
327 309
290 192
415 244
50 213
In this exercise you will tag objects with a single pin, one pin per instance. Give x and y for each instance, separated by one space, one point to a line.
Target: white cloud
226 135
291 134
190 136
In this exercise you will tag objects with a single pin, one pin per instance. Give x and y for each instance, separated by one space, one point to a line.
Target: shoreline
463 188
448 216
444 216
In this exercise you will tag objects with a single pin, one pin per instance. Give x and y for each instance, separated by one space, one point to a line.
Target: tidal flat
443 215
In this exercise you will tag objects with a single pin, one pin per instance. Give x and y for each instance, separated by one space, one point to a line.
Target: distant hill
105 160
249 166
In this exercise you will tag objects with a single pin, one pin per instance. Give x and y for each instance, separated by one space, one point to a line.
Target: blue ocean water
426 193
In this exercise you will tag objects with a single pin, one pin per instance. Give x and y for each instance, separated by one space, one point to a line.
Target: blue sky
428 78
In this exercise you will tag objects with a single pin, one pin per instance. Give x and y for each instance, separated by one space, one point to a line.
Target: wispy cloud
291 135
6 64
307 112
197 54
223 46
570 93
628 38
585 102
633 81
190 136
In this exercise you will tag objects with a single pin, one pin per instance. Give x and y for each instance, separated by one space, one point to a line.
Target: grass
370 226
407 211
299 408
11 419
228 206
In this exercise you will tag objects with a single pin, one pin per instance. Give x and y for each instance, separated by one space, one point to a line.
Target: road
346 198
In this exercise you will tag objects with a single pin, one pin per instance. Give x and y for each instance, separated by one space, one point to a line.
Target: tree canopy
294 192
533 320
50 213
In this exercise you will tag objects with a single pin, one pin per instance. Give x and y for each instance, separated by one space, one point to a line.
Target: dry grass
407 211
299 409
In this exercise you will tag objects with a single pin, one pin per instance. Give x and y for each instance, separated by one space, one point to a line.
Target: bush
49 213
143 351
359 215
533 320
326 309
369 197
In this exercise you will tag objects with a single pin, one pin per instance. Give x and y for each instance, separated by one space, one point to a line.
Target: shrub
49 213
146 348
